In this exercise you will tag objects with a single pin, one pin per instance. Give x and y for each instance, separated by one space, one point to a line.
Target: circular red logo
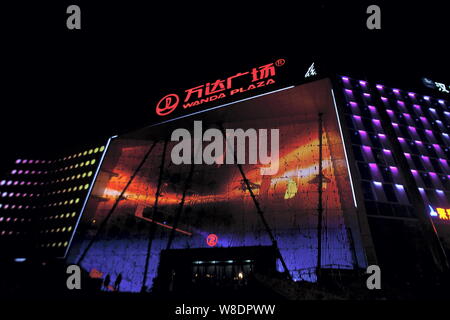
211 240
280 62
167 104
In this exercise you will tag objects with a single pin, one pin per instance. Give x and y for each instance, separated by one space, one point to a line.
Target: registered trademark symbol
280 62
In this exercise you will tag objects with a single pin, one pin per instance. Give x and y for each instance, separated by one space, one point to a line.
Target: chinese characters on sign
441 87
436 85
441 213
256 78
311 71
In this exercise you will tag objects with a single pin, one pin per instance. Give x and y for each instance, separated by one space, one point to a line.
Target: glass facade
218 201
422 126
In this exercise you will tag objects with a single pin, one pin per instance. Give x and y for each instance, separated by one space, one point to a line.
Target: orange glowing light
95 274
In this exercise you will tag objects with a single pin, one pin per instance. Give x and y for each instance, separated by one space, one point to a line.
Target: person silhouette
117 282
106 281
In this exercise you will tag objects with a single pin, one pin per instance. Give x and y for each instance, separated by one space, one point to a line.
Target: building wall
218 202
421 124
41 202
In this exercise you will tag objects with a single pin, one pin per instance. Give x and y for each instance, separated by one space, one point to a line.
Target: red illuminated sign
211 240
167 104
219 89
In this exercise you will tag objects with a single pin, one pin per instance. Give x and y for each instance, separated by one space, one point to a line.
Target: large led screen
214 199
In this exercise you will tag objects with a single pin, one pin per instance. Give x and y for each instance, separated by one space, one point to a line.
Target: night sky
63 89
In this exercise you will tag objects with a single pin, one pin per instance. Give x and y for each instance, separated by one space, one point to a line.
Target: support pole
116 203
180 207
260 212
153 225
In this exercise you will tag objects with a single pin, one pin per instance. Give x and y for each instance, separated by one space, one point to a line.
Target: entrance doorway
207 269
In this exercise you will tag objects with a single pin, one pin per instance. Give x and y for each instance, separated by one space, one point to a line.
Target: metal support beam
181 206
153 225
116 203
260 212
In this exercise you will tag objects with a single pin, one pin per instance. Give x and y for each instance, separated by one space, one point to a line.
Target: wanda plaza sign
255 78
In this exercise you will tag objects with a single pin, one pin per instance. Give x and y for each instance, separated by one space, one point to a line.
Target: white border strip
345 150
88 195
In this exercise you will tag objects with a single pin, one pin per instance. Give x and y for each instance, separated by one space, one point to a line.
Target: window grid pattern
422 126
41 200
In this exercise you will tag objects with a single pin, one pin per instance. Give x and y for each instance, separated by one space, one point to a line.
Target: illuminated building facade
41 202
383 155
401 163
167 207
